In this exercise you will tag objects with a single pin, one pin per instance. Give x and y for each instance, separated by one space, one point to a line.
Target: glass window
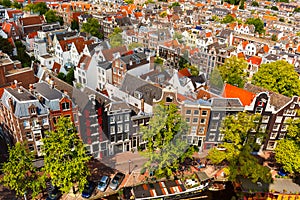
211 137
65 106
126 128
103 146
196 112
45 121
204 112
26 124
112 119
187 119
126 117
30 147
203 120
119 137
28 135
113 138
188 112
112 130
195 120
214 126
120 128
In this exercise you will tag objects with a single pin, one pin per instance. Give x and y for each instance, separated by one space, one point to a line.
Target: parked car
116 181
88 189
54 194
103 183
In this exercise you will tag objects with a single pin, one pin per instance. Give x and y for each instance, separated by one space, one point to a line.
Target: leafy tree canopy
228 19
65 156
70 77
115 39
163 14
165 147
6 3
233 71
258 23
297 9
178 36
51 16
279 76
274 8
22 56
287 150
134 45
233 2
255 4
92 26
238 144
74 25
20 174
40 8
129 1
5 46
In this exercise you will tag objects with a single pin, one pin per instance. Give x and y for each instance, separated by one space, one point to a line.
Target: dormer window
169 99
65 106
32 111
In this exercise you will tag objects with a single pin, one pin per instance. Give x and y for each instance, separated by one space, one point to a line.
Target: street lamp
129 161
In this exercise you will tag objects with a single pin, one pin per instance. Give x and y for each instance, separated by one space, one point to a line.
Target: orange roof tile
32 20
209 34
11 41
270 18
138 14
12 12
184 72
266 48
6 27
86 60
56 67
241 55
199 5
32 35
244 44
245 96
172 43
255 60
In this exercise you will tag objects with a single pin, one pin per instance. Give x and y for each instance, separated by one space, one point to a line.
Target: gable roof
245 96
32 20
184 72
255 60
276 100
65 44
86 60
56 67
11 13
109 53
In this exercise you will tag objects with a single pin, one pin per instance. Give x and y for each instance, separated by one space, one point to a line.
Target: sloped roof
12 12
245 96
32 20
65 43
184 72
6 27
276 100
86 60
109 53
256 60
56 67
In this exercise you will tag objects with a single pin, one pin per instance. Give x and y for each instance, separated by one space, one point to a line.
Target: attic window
169 99
32 110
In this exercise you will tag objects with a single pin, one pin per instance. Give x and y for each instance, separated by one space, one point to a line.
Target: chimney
51 82
31 88
11 105
20 90
130 62
142 105
16 83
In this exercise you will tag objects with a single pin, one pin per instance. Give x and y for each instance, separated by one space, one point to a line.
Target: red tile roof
56 67
12 12
245 96
32 35
78 41
32 20
266 48
244 44
241 55
86 60
255 60
6 27
184 72
209 34
172 43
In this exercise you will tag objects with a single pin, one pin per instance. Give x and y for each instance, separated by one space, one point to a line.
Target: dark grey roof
226 103
131 83
105 65
119 105
225 33
156 76
272 57
276 100
21 102
82 100
202 176
61 36
124 21
149 93
46 91
92 46
101 98
133 57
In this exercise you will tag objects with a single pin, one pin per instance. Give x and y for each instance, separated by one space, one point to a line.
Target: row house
122 64
244 29
196 114
11 72
26 118
11 30
58 103
94 67
158 37
220 108
119 127
276 111
30 24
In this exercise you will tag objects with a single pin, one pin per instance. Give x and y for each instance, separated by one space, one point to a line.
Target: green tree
233 71
215 18
70 77
159 61
51 16
40 8
279 76
255 4
274 37
281 19
61 76
22 56
5 46
20 174
175 4
242 5
92 26
238 143
287 150
134 45
163 14
228 19
16 5
274 8
297 9
258 23
165 147
115 39
129 1
178 36
74 25
65 156
6 3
